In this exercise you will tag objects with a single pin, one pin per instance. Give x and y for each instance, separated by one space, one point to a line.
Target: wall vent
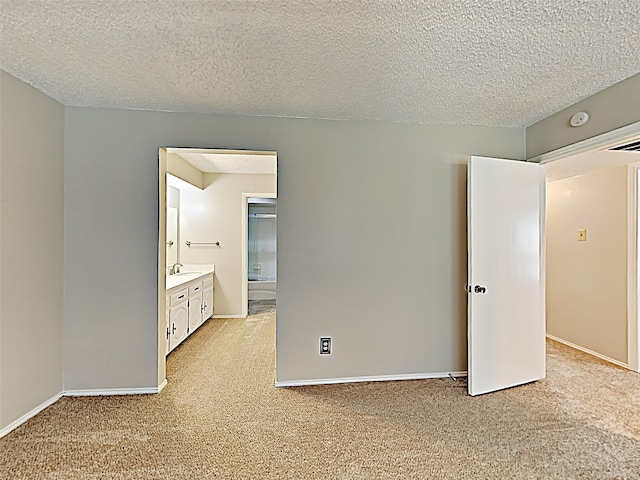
628 147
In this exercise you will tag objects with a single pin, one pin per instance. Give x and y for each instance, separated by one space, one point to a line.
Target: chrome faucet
175 268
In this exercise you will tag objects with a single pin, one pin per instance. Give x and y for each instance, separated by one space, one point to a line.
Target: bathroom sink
182 274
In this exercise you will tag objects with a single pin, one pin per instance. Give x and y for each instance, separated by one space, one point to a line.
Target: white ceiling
502 63
229 161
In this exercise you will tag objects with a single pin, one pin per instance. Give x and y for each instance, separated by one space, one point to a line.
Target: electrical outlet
325 345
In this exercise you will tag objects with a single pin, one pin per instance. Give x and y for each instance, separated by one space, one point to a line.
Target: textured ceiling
492 62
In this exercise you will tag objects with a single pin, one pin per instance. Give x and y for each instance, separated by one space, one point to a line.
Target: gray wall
371 240
31 239
615 107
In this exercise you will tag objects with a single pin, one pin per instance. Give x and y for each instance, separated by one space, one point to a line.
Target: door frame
633 270
601 142
163 169
162 268
245 246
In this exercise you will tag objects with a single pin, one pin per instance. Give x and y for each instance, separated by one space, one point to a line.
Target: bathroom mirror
173 235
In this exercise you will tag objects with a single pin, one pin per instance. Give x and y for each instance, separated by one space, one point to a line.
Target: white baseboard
15 424
373 378
162 385
113 391
590 352
80 393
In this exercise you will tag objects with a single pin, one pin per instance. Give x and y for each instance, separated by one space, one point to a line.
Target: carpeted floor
221 417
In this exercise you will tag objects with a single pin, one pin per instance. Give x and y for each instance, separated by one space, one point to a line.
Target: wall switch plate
325 345
582 234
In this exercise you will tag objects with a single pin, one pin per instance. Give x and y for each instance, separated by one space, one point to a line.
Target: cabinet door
195 312
167 331
207 303
178 316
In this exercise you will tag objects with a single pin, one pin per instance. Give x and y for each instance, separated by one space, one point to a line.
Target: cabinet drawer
206 281
179 297
195 287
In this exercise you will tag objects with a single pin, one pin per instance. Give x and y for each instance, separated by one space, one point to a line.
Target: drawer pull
180 297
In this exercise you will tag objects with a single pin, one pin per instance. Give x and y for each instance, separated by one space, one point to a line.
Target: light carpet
221 417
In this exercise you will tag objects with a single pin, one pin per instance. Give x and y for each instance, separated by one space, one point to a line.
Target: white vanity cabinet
195 305
178 317
207 298
189 304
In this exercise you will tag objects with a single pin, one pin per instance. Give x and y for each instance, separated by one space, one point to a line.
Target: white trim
373 378
590 352
220 151
162 385
98 392
543 263
633 269
162 320
27 416
79 393
601 141
245 250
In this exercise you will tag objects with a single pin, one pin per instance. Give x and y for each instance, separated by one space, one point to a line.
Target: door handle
479 289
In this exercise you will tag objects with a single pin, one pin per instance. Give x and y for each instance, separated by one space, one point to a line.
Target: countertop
189 273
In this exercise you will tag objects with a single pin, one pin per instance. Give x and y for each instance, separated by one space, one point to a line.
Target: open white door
506 284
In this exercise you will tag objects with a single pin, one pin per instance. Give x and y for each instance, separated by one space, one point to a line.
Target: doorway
592 247
261 254
212 187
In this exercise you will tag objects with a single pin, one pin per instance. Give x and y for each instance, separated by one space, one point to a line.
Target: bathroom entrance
261 254
204 229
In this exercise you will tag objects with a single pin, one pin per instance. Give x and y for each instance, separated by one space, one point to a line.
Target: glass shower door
262 243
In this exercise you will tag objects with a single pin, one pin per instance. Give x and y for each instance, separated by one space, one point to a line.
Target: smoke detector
579 119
